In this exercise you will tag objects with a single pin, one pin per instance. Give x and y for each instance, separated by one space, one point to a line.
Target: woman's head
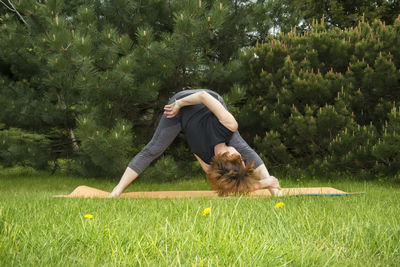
228 174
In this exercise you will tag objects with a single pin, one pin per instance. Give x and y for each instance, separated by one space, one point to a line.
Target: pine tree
87 80
386 150
345 13
320 98
114 63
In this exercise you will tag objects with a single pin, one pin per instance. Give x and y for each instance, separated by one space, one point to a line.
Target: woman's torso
202 128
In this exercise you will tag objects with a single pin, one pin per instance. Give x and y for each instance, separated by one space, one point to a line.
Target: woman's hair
228 175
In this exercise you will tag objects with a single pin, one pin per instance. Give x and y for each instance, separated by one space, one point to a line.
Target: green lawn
37 230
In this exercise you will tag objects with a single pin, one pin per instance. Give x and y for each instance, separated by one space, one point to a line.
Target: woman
230 164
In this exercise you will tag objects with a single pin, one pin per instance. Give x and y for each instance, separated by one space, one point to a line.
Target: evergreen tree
275 16
324 100
113 63
347 13
86 80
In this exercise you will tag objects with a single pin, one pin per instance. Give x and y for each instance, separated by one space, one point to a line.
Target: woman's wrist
178 103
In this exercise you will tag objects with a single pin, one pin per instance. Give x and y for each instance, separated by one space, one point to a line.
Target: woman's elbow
236 126
233 126
230 122
202 95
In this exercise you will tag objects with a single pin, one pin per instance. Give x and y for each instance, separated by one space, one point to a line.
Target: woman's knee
153 149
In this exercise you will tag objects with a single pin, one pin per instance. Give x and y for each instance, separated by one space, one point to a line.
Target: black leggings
168 129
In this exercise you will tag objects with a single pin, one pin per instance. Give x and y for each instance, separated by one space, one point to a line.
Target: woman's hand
274 187
172 110
272 182
268 181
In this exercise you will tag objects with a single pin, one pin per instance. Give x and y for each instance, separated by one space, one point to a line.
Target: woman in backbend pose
230 164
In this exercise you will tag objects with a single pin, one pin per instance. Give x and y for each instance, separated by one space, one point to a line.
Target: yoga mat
90 192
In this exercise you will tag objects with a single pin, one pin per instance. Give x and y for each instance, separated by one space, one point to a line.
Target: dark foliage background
83 83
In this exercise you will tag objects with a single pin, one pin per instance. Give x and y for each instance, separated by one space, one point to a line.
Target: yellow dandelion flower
88 216
279 205
206 211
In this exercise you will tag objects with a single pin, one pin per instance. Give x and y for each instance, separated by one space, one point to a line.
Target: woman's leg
165 133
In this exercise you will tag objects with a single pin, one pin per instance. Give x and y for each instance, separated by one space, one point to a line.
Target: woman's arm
202 97
268 181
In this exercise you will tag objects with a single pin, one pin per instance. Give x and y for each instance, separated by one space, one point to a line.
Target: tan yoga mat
90 192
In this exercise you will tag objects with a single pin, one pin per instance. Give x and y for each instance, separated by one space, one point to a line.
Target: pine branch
13 9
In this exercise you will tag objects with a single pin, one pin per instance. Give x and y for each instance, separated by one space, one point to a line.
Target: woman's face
232 151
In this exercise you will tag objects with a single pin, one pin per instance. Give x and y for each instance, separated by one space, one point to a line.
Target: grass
37 230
